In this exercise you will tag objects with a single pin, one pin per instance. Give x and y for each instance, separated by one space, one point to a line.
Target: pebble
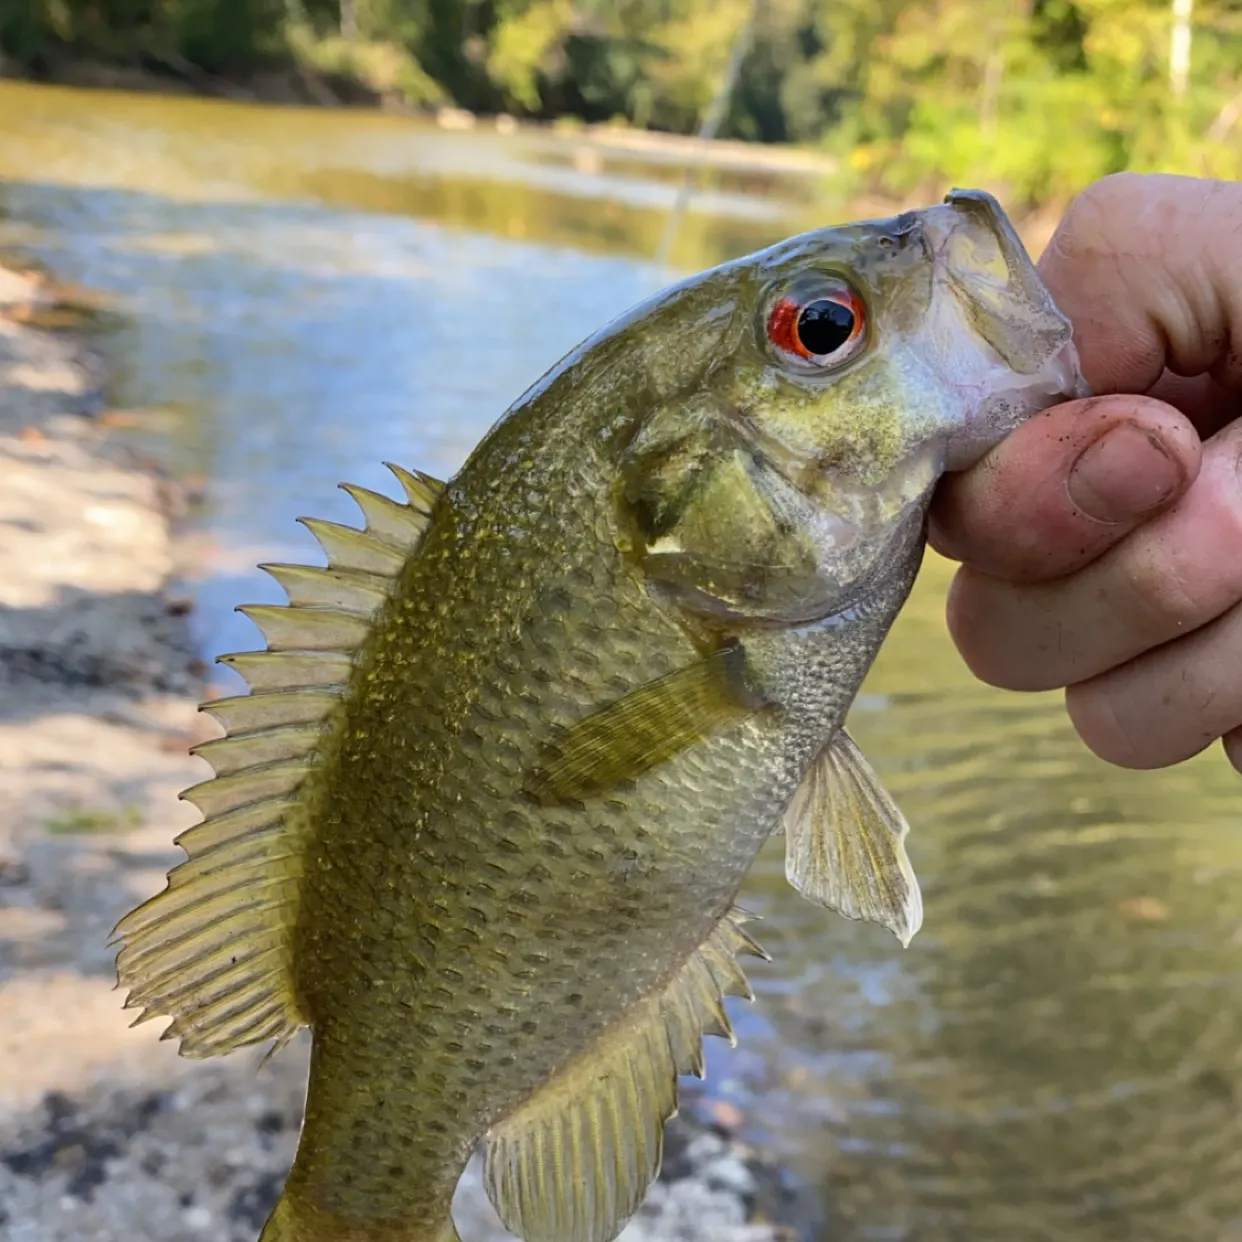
198 1218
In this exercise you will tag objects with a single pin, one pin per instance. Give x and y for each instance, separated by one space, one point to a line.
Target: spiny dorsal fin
266 670
212 951
845 842
421 490
309 586
576 1160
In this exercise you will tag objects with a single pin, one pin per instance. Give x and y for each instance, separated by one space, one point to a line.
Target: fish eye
824 327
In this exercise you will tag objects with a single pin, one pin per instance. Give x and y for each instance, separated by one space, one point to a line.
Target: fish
481 820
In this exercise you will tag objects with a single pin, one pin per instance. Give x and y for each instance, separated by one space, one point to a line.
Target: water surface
305 294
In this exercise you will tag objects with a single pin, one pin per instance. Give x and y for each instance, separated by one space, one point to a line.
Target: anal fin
576 1160
845 842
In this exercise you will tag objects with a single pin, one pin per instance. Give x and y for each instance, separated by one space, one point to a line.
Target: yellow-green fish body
481 824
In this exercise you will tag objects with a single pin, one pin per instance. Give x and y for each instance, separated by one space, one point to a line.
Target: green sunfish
481 822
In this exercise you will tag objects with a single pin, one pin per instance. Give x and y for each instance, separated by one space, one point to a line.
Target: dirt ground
106 1135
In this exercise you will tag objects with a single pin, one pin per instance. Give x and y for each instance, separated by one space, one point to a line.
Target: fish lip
976 204
1075 387
979 207
976 251
1003 410
1027 359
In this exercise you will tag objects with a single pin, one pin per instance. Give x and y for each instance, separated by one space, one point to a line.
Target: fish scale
645 929
482 821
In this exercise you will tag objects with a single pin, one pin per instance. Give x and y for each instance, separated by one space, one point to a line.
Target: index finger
1149 269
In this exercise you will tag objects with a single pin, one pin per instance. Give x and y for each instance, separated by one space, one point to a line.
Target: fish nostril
922 238
905 236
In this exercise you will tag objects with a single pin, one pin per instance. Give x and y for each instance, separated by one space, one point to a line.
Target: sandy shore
105 1134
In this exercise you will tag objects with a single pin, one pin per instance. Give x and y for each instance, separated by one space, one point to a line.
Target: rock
86 552
18 289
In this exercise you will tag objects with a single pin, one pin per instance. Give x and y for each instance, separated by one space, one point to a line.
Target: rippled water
1059 1054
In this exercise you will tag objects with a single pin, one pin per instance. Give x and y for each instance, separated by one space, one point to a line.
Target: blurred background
1033 96
317 234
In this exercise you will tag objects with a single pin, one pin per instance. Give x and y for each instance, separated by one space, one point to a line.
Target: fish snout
979 261
976 251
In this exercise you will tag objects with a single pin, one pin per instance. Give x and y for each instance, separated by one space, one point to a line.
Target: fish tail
286 1224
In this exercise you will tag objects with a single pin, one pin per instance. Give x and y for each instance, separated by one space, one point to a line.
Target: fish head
929 333
860 364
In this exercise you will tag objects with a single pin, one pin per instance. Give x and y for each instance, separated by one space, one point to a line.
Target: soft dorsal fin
576 1159
845 842
212 951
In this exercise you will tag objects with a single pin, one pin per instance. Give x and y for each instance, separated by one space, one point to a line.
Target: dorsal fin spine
213 950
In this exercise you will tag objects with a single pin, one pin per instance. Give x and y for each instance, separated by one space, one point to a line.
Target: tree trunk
1179 47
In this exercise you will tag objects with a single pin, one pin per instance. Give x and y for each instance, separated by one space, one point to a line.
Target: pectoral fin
648 726
845 843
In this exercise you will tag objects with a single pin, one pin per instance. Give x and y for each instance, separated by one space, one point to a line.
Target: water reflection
307 347
530 186
1057 1055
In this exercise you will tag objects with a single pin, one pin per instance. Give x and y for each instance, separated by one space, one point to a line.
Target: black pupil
824 326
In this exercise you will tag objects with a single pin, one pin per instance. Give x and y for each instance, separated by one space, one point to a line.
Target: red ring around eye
783 327
785 316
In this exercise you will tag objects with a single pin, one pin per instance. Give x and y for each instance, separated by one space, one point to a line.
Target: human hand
1102 541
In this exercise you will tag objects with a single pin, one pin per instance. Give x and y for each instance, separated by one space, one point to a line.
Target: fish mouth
999 407
977 253
976 250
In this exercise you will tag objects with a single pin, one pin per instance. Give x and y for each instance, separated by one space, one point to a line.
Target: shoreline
296 85
101 1125
585 145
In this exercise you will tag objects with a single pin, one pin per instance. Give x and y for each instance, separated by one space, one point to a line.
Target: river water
305 294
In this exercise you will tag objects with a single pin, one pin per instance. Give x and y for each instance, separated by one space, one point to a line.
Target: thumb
1065 487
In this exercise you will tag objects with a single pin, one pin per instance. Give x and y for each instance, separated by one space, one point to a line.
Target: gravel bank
105 1134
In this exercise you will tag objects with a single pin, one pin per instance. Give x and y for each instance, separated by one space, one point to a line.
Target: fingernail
1123 475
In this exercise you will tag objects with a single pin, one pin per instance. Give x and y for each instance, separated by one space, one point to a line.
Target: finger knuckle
1105 726
1175 585
1005 660
1162 588
971 613
1087 221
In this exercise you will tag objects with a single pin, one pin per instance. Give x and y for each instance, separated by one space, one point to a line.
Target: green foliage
1040 99
211 36
385 66
1031 97
525 45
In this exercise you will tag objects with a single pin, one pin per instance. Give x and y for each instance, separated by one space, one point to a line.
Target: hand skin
1101 543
